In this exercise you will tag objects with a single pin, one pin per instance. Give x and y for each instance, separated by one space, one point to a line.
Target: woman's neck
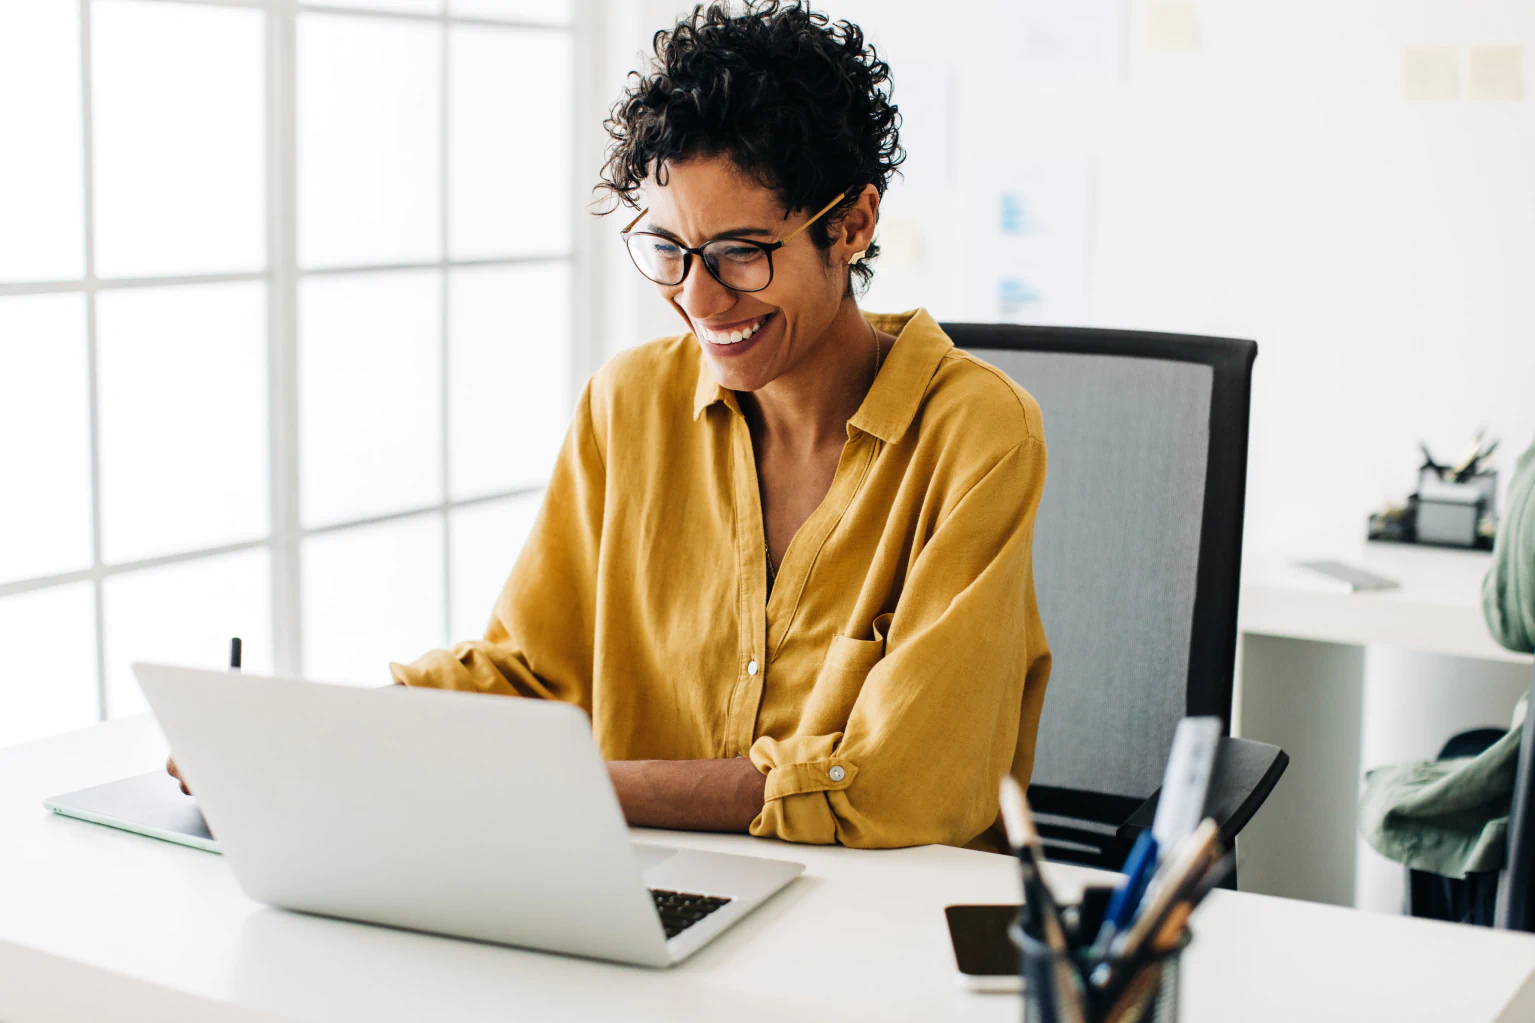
809 407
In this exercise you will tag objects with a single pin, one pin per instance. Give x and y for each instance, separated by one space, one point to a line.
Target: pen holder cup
1143 989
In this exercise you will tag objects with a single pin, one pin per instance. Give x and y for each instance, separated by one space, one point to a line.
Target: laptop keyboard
681 910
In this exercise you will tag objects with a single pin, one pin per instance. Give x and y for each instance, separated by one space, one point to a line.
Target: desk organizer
1142 990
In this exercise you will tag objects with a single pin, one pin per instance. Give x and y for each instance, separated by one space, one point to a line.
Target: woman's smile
731 339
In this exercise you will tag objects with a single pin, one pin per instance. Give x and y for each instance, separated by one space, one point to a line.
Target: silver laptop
475 816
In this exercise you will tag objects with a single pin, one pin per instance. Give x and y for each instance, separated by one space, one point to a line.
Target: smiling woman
785 560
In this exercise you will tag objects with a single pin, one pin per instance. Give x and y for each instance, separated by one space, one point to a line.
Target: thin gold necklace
773 572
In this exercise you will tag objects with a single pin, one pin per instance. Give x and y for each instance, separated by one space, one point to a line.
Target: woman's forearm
692 795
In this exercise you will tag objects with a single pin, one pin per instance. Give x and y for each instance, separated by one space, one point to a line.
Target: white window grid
282 276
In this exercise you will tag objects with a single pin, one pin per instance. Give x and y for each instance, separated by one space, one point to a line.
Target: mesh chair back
1138 540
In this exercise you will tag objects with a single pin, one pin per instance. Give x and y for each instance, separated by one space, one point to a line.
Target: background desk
100 924
1348 681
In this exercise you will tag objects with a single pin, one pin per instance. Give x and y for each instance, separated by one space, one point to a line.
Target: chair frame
1113 820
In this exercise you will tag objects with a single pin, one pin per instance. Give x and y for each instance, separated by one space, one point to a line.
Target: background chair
1137 566
1516 886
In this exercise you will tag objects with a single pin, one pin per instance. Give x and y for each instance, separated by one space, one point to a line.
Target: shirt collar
905 371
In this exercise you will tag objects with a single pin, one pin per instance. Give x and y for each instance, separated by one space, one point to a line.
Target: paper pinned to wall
1495 73
1029 227
1173 27
1062 42
1430 73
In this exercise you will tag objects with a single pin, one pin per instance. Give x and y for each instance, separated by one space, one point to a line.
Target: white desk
98 924
1438 608
1347 681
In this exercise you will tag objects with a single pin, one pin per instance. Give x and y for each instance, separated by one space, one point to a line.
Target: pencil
1023 836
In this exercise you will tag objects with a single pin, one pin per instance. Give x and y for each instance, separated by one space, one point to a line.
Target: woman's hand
170 769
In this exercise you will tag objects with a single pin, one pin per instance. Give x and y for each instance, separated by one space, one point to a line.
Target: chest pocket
857 656
841 679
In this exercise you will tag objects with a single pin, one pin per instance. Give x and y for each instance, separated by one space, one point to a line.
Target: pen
1184 870
1023 836
1131 1004
1167 936
1468 456
1186 781
234 654
1474 466
1180 874
1139 867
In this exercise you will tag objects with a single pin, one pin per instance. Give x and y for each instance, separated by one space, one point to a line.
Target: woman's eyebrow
732 233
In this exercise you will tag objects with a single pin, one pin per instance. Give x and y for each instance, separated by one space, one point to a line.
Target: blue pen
1139 867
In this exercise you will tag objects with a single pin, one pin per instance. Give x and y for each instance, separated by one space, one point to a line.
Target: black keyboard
681 910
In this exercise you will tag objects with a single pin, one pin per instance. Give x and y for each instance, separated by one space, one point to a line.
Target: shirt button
751 667
837 773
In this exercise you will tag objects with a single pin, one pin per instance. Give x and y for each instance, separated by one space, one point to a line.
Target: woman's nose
700 295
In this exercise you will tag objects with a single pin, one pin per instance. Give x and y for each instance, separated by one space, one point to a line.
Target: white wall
1272 184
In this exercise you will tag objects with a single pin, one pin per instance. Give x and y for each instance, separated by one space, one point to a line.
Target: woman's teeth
731 337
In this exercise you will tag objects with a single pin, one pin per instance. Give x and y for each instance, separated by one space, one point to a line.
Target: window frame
282 276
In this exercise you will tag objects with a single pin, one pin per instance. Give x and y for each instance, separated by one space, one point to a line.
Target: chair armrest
1245 773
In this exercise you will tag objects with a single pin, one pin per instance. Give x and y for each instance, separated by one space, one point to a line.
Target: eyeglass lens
738 265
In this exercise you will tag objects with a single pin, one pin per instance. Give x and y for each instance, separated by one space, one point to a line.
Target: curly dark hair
800 104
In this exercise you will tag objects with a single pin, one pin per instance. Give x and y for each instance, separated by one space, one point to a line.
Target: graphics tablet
147 804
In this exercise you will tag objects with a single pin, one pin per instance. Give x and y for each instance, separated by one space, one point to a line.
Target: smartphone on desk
984 954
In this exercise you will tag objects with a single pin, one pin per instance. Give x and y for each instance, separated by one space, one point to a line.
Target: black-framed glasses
740 264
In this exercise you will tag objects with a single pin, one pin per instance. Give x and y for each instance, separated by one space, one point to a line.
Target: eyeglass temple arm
782 241
790 237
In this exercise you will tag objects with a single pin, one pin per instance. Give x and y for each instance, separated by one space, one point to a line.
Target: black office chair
1516 886
1137 566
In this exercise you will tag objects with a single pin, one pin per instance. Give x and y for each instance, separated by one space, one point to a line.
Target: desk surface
91 917
1438 608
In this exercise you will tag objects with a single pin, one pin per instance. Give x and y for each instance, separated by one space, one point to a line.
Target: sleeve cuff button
837 773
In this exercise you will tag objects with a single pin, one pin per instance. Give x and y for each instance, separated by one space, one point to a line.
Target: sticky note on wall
1430 73
1173 27
1495 73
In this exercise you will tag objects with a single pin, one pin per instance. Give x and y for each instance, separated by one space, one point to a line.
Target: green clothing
1450 817
1508 592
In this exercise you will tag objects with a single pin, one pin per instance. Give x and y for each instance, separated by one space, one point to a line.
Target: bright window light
372 594
369 141
42 232
508 375
49 682
45 453
183 392
185 614
179 105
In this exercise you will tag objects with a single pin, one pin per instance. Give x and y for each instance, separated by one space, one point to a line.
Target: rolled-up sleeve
953 704
540 639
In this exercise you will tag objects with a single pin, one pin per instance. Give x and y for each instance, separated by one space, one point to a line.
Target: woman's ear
855 229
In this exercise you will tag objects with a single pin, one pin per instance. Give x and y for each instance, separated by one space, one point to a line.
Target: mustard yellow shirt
899 665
